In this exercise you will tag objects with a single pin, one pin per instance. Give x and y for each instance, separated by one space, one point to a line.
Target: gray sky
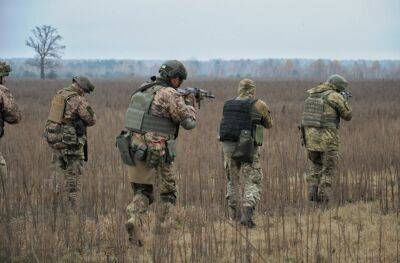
204 29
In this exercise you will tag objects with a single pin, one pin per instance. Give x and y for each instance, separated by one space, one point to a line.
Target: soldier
9 113
241 131
325 105
65 132
153 118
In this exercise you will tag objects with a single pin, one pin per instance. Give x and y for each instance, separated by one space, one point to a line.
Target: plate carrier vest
58 104
314 114
138 118
236 116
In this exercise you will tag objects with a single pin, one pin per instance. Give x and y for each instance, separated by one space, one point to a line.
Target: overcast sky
205 29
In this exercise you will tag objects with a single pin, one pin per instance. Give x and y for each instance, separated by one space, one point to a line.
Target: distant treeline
271 68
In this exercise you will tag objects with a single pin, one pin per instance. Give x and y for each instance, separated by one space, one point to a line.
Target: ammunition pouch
244 150
258 135
171 151
123 143
302 135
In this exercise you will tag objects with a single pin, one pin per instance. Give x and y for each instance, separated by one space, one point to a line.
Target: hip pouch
244 150
123 143
171 151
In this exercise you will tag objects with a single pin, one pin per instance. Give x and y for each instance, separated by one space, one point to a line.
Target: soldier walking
241 132
65 132
152 121
325 106
9 113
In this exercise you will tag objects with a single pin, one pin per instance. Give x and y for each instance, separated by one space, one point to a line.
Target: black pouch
244 149
123 143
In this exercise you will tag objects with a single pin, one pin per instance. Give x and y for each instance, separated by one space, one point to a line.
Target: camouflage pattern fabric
322 168
10 111
67 159
167 103
322 144
11 115
322 139
244 181
67 170
246 176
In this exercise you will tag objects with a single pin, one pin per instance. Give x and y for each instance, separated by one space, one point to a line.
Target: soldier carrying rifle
65 132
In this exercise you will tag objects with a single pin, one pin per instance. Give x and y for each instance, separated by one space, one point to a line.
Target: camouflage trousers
67 171
322 168
143 195
244 180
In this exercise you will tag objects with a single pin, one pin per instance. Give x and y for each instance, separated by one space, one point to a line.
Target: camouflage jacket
8 108
167 103
323 139
76 107
260 108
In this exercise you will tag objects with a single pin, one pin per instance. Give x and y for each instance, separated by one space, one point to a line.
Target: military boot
133 233
313 193
234 213
247 217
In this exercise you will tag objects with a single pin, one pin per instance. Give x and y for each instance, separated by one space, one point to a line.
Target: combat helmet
84 83
338 82
5 69
173 69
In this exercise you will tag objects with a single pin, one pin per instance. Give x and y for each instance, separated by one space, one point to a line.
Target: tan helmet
84 83
246 87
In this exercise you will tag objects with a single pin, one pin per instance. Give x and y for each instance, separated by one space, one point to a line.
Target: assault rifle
81 130
199 94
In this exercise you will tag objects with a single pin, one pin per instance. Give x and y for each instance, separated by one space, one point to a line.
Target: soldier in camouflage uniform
325 106
65 131
9 113
243 113
153 118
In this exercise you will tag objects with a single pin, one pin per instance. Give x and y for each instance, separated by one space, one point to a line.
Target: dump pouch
259 135
244 149
123 143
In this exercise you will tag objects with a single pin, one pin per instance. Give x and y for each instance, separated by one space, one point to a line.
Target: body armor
58 106
237 116
138 119
314 114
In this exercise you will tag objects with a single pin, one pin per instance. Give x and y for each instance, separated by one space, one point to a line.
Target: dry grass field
361 226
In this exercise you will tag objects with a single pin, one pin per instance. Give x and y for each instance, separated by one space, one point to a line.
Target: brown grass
361 226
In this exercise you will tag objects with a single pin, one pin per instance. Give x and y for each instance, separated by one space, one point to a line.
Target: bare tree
45 41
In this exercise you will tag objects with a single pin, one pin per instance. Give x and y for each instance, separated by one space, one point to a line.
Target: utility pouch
123 143
244 150
259 135
171 151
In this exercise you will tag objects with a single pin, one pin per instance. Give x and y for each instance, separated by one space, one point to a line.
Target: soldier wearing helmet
241 132
147 146
325 106
65 132
9 112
